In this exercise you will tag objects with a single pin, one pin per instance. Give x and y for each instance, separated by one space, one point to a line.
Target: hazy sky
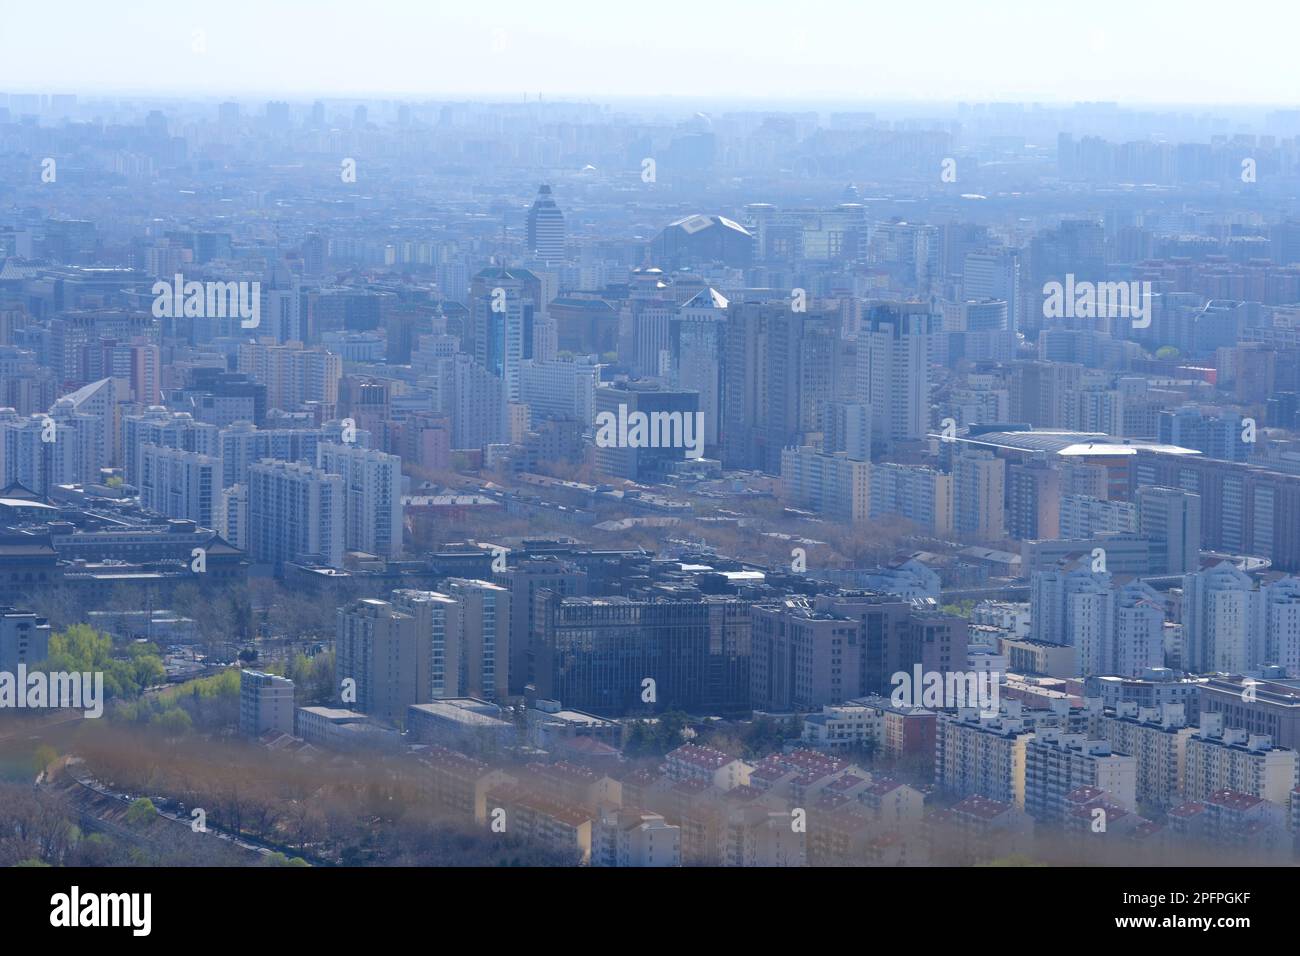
1147 51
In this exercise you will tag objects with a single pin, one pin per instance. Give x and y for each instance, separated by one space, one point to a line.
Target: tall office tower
1042 393
836 485
1215 436
372 488
485 637
761 387
438 636
821 370
1078 248
1173 518
649 326
979 495
378 647
1223 620
265 704
893 371
911 252
1058 763
295 513
545 235
228 114
699 348
546 338
503 303
283 313
1033 501
669 415
561 389
596 653
994 275
24 639
180 484
479 405
810 652
221 398
314 252
525 580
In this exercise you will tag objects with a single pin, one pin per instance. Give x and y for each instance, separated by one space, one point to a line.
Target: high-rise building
1114 629
525 580
157 426
1223 620
1171 517
504 303
669 431
982 755
762 391
1034 504
979 495
893 370
994 275
372 489
180 484
295 513
380 655
545 227
484 638
616 655
699 345
1245 509
438 636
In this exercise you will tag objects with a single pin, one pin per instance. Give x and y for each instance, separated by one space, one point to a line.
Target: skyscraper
295 512
893 371
545 227
372 488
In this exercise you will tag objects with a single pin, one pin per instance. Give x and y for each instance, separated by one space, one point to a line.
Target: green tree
141 812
